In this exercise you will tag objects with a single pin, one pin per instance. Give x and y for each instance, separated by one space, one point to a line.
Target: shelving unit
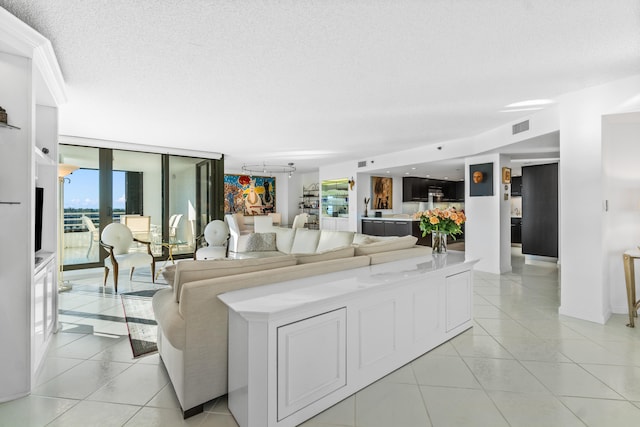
31 90
8 126
310 203
335 197
334 205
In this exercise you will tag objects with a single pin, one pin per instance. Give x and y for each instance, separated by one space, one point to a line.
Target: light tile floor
521 364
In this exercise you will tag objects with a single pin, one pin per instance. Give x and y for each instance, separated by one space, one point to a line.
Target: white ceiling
319 82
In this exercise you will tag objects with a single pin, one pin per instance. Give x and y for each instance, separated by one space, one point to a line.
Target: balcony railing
73 219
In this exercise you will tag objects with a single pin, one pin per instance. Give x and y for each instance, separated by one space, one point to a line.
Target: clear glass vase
438 242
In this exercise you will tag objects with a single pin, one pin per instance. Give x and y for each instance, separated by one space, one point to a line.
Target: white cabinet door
458 292
311 360
44 309
427 314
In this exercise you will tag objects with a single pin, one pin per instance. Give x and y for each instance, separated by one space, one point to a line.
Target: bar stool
628 259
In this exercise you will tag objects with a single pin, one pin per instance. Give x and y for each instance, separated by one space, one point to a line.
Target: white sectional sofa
192 321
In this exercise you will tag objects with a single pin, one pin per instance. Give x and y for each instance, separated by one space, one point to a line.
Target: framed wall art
481 180
381 192
250 195
506 175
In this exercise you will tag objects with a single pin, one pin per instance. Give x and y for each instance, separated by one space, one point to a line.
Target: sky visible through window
83 190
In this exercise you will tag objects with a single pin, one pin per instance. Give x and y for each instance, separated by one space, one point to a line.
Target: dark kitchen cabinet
415 189
379 227
373 227
397 228
415 231
516 230
459 190
516 186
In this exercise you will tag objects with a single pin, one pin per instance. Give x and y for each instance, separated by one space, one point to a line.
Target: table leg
630 279
170 246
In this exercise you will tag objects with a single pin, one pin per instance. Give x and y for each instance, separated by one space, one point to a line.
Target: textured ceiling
315 82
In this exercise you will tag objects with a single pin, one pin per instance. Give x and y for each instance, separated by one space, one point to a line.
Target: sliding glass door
158 196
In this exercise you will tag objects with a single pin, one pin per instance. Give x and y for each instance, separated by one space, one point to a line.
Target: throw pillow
261 242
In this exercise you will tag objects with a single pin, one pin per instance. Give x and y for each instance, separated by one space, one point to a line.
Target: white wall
294 193
363 189
504 207
585 264
488 226
621 184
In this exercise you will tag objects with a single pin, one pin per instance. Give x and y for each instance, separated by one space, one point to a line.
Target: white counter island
299 347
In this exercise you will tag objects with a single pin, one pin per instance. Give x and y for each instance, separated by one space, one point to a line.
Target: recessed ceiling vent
520 127
362 163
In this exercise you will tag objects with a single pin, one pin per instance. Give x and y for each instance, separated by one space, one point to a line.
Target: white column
487 231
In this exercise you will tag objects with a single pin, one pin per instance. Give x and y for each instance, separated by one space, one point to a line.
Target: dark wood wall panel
540 210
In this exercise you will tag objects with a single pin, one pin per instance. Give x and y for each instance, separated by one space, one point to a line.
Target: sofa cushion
334 239
191 271
337 253
260 242
284 239
403 242
365 239
389 256
305 241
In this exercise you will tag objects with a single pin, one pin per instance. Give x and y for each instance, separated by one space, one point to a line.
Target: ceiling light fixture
515 110
530 103
269 169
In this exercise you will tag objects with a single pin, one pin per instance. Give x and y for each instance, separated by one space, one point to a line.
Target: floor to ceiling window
158 196
183 221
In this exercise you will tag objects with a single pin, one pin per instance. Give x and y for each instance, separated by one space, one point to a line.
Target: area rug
141 322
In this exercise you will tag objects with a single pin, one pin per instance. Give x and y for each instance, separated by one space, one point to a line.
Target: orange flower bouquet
448 221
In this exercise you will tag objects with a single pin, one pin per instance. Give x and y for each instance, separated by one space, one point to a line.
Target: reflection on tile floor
522 364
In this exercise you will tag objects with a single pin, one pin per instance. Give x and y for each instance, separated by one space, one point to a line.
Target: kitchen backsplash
516 207
413 207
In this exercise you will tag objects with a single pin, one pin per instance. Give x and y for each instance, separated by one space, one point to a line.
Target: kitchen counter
298 347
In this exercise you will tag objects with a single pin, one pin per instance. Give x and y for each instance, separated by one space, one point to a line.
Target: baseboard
541 261
193 411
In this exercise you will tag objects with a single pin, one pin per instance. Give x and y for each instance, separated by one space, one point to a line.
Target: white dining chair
117 239
216 234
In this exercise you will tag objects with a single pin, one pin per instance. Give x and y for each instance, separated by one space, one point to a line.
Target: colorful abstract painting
250 195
